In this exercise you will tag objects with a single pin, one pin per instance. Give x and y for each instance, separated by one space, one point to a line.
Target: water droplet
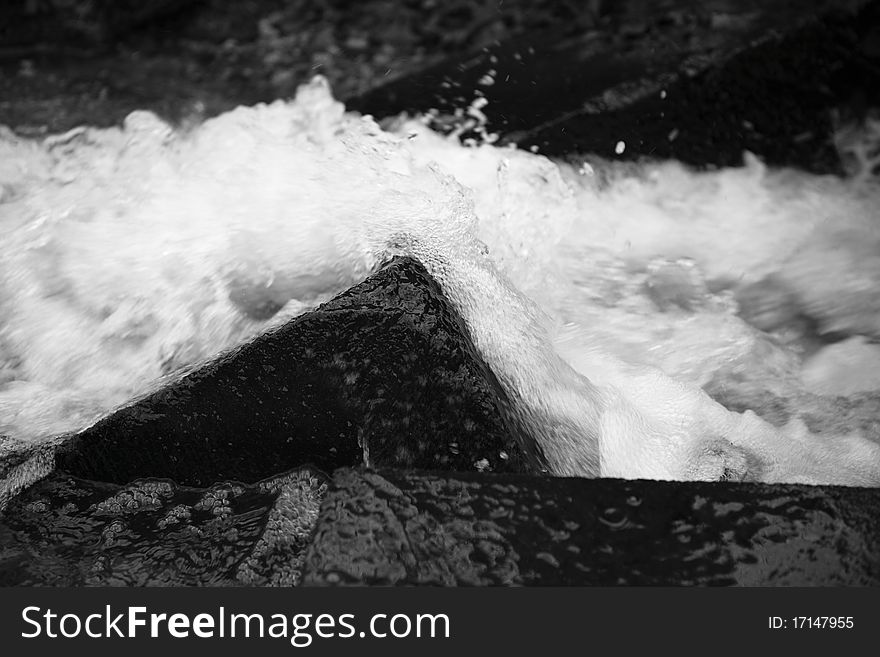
614 518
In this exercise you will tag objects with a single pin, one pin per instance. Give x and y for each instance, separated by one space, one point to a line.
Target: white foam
130 254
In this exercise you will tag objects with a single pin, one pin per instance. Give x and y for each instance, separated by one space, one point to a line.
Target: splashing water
625 307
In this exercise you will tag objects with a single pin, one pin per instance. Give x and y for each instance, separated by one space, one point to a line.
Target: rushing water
609 298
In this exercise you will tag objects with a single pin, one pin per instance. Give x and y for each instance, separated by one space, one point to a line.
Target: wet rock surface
82 23
394 528
384 374
66 531
698 86
110 511
69 62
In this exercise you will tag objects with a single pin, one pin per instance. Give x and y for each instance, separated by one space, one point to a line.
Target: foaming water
609 298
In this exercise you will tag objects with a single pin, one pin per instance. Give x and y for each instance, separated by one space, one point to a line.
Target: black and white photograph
476 293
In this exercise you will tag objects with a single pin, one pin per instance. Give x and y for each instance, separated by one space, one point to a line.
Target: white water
608 296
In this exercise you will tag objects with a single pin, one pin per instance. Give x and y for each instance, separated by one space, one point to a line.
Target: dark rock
23 22
21 465
766 79
385 372
394 528
69 532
